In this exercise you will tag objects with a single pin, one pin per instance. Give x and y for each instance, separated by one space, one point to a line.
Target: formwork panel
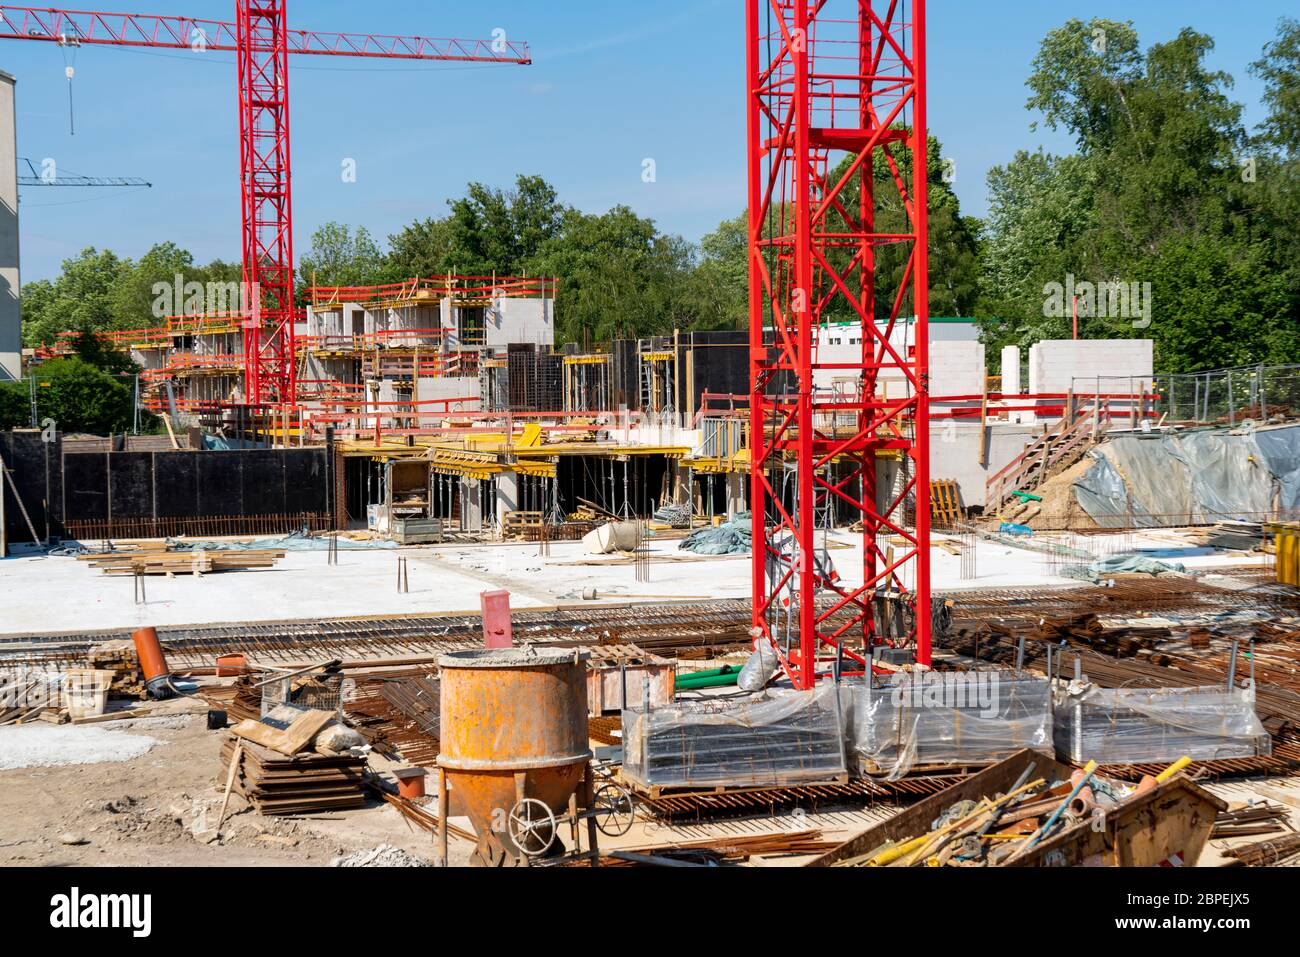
221 483
176 485
305 481
85 488
264 482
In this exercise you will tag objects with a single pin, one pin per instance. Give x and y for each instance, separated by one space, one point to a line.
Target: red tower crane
263 42
836 107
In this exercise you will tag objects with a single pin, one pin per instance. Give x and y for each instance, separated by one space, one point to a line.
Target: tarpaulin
1150 480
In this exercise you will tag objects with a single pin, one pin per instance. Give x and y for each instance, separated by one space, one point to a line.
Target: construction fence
1232 397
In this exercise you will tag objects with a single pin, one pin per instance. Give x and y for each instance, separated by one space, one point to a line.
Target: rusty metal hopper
514 727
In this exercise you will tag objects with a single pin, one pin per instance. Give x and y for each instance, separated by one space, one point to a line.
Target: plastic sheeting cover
729 538
1196 477
1154 726
777 739
296 542
1136 564
939 718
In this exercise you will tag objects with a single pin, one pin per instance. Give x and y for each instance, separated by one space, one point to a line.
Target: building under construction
411 577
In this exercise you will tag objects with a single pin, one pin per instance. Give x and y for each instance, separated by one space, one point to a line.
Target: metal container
514 728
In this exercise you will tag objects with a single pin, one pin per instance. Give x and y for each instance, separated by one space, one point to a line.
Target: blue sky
614 83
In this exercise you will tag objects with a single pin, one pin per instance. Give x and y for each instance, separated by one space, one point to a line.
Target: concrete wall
955 453
1010 370
1055 364
344 319
521 320
445 387
10 283
957 367
957 363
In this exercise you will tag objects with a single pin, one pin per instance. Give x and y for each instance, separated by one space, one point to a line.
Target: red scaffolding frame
828 79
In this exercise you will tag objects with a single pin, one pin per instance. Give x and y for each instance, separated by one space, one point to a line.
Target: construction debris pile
1051 813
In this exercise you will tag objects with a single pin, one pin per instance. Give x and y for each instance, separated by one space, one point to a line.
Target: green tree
1277 147
1279 69
719 285
341 256
1221 293
619 276
15 406
80 300
81 398
1155 194
421 249
133 301
1039 208
499 231
953 246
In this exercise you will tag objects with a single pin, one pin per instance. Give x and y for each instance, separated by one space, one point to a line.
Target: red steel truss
191 33
269 349
836 106
263 42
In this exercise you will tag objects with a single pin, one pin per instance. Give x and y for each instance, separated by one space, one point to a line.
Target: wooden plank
292 739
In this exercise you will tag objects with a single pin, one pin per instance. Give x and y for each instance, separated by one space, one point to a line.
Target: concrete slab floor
45 594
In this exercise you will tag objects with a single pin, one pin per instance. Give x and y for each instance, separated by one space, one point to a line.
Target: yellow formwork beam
1287 541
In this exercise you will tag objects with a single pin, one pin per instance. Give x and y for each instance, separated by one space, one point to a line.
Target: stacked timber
161 560
308 783
121 659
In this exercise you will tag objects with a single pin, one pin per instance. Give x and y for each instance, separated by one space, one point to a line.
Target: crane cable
72 44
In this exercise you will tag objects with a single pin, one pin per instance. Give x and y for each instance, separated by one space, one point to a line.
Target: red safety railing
457 287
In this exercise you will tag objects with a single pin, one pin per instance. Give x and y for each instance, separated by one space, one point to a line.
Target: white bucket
85 692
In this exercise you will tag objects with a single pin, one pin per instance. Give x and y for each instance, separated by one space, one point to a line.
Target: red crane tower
836 108
263 42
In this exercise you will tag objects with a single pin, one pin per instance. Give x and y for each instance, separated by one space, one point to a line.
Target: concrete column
735 492
507 496
678 490
471 518
886 478
1011 370
10 283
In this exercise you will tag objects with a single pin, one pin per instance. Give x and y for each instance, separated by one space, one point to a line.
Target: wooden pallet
946 509
522 524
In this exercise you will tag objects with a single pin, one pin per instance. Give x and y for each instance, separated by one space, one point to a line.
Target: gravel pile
385 855
41 745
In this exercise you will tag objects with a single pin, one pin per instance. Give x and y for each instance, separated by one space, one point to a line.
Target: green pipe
692 675
691 682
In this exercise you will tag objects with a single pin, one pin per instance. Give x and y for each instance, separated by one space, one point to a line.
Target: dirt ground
160 809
